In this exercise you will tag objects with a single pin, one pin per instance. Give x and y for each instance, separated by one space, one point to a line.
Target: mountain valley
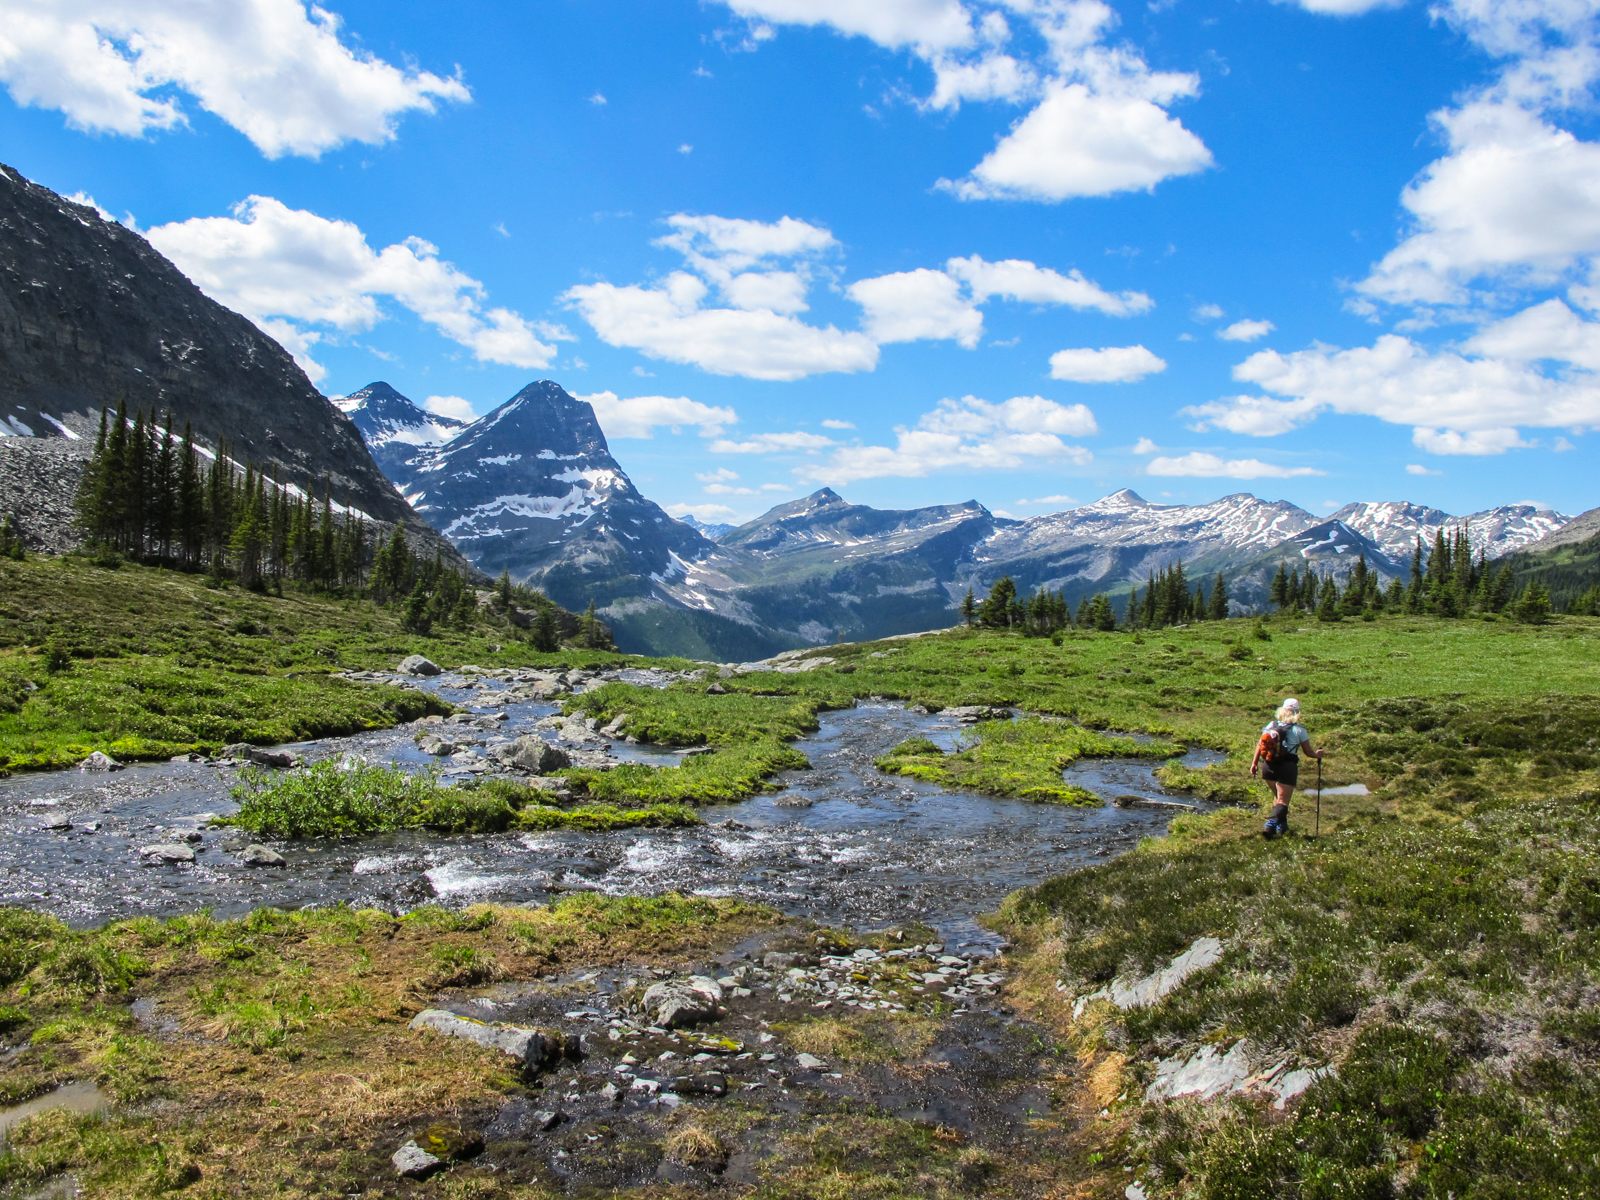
532 489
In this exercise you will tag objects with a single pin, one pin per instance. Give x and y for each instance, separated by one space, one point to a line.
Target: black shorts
1284 770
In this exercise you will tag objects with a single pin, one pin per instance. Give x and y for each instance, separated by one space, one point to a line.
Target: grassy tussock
1017 758
868 1037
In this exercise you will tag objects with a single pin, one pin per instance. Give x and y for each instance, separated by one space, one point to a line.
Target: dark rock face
91 313
396 430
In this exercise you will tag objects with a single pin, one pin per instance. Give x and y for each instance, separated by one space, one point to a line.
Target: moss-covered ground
152 663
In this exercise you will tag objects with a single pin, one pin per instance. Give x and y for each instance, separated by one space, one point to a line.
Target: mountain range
532 489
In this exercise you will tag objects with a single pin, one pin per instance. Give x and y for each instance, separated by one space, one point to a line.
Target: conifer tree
1219 598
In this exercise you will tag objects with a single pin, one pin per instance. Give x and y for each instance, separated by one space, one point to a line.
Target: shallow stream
840 843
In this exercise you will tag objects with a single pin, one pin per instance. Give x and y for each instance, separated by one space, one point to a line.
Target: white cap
1292 703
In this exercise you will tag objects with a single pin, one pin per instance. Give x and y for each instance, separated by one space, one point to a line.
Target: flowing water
840 843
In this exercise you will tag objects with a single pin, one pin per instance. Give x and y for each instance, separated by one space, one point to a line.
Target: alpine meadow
796 600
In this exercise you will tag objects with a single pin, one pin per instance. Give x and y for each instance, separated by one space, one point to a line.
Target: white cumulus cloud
1080 143
641 416
1109 364
287 269
833 423
1456 403
1419 469
1246 331
711 514
451 406
1098 125
1258 416
909 305
773 443
1145 446
970 434
1018 279
277 71
762 271
1198 464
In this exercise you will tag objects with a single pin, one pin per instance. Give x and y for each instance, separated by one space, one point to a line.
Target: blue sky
1028 251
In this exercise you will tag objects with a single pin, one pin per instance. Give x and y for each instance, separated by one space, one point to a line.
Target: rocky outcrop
91 314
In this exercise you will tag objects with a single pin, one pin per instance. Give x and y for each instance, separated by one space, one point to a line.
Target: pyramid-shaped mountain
395 429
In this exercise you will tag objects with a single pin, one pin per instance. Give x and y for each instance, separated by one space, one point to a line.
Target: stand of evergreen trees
1168 601
1444 582
1038 614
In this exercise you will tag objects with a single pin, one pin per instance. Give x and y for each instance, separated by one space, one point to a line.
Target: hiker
1277 757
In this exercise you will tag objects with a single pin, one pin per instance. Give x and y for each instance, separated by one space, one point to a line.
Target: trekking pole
1319 797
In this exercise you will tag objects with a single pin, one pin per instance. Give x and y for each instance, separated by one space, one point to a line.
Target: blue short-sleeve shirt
1294 737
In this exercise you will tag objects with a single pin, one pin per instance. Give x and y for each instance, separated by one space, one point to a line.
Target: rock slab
682 1002
416 664
530 1048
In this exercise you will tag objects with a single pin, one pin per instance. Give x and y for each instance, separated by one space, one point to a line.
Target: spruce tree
968 609
1219 598
546 633
1280 586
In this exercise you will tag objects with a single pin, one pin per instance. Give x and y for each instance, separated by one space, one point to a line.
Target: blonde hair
1288 713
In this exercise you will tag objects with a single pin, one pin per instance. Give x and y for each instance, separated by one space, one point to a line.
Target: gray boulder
415 664
681 1002
531 753
430 743
413 1162
529 1048
99 762
171 854
259 856
280 760
969 713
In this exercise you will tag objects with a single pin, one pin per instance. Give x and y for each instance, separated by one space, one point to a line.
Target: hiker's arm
1309 750
1255 759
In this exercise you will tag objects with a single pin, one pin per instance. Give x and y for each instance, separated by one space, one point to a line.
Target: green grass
1462 958
147 708
690 716
330 799
1024 759
158 664
731 773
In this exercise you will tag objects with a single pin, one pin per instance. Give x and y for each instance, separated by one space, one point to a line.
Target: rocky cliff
91 314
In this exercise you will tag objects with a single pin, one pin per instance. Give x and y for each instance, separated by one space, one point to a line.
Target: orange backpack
1272 749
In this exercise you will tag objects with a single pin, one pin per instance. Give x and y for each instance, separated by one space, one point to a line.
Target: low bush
339 799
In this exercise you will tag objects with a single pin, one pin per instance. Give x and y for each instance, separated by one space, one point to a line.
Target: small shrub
1239 652
331 799
12 1018
916 745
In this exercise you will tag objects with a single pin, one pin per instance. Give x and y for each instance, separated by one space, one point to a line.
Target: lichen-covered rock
279 760
529 1048
969 713
415 664
677 1003
99 762
449 1142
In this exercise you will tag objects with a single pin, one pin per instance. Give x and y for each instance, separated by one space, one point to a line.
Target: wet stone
416 664
260 856
170 854
99 762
